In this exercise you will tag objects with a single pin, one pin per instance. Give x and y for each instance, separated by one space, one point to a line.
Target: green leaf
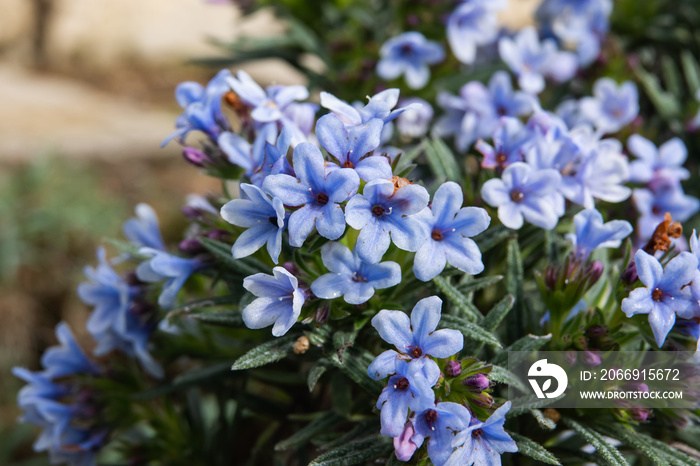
316 371
479 283
442 160
126 247
665 103
317 426
527 343
267 353
524 404
457 298
533 450
492 237
691 70
514 286
503 375
222 251
354 364
222 318
544 422
360 451
634 439
193 377
607 452
498 313
673 454
469 329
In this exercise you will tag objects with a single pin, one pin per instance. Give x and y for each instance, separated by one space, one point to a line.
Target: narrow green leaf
222 251
674 455
222 318
514 287
527 343
691 70
671 76
667 106
447 159
267 353
354 364
126 247
524 404
492 237
533 450
316 371
502 375
477 284
359 451
544 422
192 377
457 298
607 452
498 313
634 439
469 329
317 426
435 162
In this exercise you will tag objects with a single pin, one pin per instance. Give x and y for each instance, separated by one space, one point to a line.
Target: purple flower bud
322 313
477 382
571 357
594 271
453 368
191 212
640 414
195 157
191 246
591 359
630 274
403 445
219 235
140 309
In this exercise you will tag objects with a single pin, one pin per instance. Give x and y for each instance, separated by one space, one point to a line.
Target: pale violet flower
143 230
409 54
592 233
612 107
451 227
472 24
665 294
175 270
351 277
666 161
414 123
279 301
263 217
653 205
532 60
523 193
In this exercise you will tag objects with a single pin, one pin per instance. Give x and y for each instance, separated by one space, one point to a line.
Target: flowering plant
353 292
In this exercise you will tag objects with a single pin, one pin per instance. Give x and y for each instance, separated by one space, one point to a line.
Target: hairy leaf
607 452
534 450
267 353
359 451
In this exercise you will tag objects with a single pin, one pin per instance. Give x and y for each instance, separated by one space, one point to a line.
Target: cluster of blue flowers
410 412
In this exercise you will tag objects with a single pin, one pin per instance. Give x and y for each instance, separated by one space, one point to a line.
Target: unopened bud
453 368
191 246
195 156
477 382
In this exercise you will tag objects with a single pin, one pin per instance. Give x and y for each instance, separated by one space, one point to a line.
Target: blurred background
86 97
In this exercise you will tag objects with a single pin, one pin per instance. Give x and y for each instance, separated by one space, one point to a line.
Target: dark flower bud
571 357
219 235
630 274
195 157
591 359
477 382
453 368
322 313
594 271
191 246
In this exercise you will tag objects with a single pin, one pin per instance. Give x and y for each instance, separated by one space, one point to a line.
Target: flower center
322 198
378 210
401 384
477 433
516 195
501 158
436 235
348 164
416 352
430 417
657 294
406 49
501 110
356 278
273 220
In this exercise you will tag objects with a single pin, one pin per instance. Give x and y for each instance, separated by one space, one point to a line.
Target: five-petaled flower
409 54
439 424
592 233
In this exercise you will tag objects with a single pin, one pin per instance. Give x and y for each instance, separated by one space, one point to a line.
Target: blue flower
279 301
652 206
115 323
592 233
532 60
664 162
382 210
70 433
318 193
276 104
483 443
415 338
451 227
472 24
695 288
523 192
175 270
411 387
409 54
379 106
275 158
351 277
510 142
352 146
202 107
665 294
240 152
143 230
414 123
612 106
264 219
440 424
477 111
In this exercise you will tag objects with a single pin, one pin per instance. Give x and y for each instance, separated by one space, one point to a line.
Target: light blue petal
383 365
394 327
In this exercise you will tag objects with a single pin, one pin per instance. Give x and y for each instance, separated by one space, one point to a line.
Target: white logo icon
543 369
